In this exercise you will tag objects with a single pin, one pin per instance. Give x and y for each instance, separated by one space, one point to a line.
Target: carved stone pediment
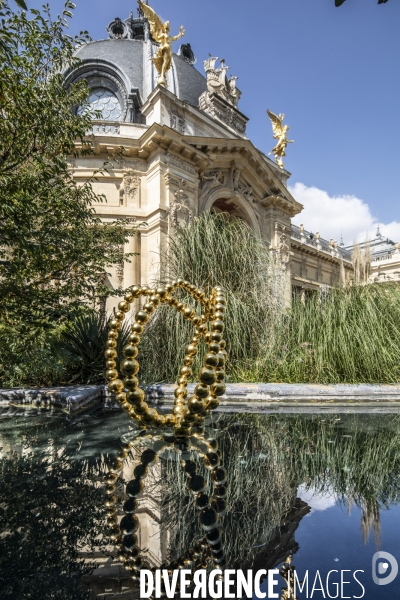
222 96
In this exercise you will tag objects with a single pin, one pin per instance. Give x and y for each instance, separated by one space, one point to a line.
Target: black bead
130 505
148 456
196 483
129 524
134 488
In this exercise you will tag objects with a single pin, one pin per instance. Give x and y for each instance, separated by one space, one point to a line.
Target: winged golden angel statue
279 131
160 32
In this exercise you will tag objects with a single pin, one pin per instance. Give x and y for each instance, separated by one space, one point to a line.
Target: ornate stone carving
181 164
177 121
131 184
132 165
211 181
183 184
180 214
222 96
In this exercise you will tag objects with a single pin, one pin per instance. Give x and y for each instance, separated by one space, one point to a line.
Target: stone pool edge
242 397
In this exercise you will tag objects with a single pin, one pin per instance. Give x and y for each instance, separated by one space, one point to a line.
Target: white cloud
336 215
316 500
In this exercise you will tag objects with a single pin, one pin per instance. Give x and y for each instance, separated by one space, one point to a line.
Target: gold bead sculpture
208 326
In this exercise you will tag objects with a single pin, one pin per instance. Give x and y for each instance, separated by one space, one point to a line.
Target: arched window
102 99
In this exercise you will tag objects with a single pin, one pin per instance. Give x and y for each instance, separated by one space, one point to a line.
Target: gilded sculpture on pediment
280 134
161 33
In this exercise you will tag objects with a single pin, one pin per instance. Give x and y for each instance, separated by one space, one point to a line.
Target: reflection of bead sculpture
209 325
207 551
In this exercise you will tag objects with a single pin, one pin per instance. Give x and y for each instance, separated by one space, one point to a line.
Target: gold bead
212 403
115 386
150 417
131 383
211 360
169 287
111 364
195 405
136 291
202 328
170 420
222 344
142 408
180 392
149 307
129 367
188 313
155 299
213 347
123 306
191 350
161 291
131 351
196 320
220 375
201 391
182 431
137 328
218 389
111 374
128 298
111 344
182 381
188 361
120 397
135 397
216 336
126 406
218 325
180 306
115 324
207 376
179 411
112 335
110 354
134 339
141 317
180 281
119 315
220 308
186 371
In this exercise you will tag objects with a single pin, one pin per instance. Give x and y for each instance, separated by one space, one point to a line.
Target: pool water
323 490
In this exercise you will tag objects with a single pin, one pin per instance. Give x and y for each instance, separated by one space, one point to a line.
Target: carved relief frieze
181 164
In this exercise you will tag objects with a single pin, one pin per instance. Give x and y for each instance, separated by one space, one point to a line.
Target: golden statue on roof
280 132
160 32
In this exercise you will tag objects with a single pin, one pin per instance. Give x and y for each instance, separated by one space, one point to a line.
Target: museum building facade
185 152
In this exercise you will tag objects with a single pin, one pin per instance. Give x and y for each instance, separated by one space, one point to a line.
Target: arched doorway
235 206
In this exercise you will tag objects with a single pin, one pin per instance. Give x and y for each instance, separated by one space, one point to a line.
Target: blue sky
334 72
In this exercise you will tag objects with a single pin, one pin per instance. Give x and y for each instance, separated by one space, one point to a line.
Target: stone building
185 152
382 256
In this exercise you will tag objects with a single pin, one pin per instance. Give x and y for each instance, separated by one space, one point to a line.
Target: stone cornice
310 250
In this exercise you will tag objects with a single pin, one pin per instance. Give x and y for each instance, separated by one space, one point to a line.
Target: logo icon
386 560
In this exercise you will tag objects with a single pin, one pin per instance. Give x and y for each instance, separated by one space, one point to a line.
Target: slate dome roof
120 70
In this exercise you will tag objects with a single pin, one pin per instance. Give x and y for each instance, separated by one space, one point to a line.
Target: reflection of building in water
186 151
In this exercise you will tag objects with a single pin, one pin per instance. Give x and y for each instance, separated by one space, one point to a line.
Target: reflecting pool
319 493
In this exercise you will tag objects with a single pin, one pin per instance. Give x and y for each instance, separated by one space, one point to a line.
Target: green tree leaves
55 253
